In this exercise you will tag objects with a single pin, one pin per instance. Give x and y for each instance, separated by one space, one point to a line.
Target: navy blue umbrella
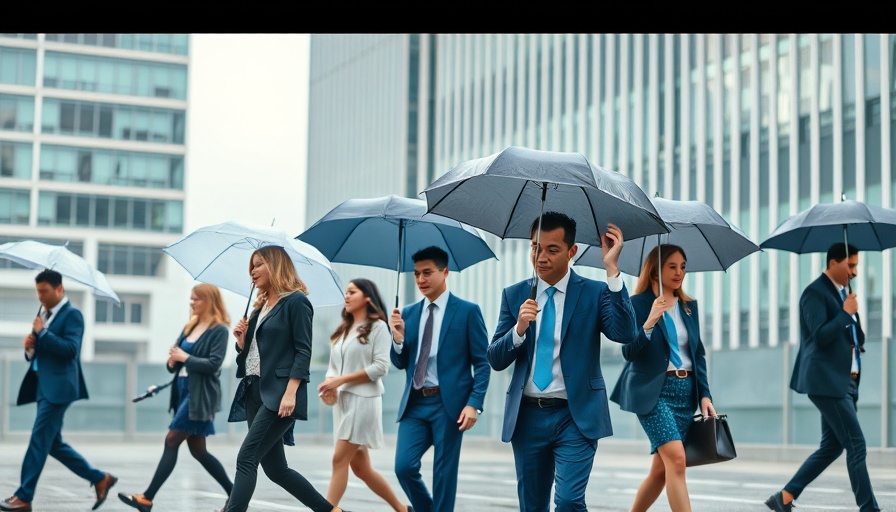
386 231
864 226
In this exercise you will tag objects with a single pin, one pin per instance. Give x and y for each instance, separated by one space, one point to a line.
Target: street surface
486 482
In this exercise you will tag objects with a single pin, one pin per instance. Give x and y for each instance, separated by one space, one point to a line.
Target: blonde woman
274 357
195 359
359 359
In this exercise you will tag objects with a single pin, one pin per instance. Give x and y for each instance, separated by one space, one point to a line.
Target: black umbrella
864 226
151 391
504 192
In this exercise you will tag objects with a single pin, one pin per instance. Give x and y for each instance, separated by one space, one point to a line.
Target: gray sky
247 130
247 133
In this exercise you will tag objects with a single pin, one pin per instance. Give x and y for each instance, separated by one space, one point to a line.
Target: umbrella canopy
386 231
39 256
710 241
505 192
867 227
219 255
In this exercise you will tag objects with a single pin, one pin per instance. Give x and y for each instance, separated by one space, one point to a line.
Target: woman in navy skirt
196 360
664 382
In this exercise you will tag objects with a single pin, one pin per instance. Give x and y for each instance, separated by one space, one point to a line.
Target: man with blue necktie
54 380
556 407
828 369
440 343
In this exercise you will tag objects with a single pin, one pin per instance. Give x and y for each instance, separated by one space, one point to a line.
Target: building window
131 260
15 160
63 209
111 167
117 350
17 66
14 206
20 36
130 311
16 113
92 73
122 122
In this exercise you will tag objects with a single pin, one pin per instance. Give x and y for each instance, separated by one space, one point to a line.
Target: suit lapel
412 330
450 309
690 328
272 312
573 291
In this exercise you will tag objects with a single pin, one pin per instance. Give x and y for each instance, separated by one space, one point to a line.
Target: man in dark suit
54 381
828 369
440 340
556 407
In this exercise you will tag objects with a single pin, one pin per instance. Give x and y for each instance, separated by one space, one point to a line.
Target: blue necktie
544 348
855 339
674 356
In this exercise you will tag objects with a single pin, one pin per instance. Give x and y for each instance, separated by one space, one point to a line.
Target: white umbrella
219 255
39 256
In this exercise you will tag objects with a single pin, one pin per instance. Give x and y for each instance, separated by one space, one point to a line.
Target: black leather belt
681 374
544 402
424 391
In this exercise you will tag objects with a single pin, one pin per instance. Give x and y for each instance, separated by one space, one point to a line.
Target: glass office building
759 126
92 150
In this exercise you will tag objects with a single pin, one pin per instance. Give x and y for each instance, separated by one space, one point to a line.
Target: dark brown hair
375 311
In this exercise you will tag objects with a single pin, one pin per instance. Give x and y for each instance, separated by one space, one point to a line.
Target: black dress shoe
13 503
776 503
138 501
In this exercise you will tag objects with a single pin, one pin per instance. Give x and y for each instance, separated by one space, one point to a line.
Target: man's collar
560 285
440 302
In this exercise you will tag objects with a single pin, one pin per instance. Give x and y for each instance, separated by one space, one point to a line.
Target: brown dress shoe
102 489
14 503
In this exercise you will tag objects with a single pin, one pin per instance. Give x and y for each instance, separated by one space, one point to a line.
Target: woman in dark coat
195 359
274 346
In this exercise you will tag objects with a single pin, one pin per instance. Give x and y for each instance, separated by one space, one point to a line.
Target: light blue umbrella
39 256
386 231
219 255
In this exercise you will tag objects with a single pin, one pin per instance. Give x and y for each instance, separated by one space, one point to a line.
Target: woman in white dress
359 359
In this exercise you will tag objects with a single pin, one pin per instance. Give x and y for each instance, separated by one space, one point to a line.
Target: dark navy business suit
57 383
589 309
647 359
822 371
463 374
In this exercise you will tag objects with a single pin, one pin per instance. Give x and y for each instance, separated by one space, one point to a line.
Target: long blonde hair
282 272
212 295
650 271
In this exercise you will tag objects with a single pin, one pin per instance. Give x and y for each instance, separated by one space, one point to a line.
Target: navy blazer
284 347
638 387
461 362
590 309
825 356
58 354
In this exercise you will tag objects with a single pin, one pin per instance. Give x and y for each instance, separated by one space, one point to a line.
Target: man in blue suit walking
828 369
440 341
556 407
54 381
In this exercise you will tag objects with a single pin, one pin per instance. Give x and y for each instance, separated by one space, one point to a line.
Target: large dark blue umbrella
711 242
386 231
864 226
505 192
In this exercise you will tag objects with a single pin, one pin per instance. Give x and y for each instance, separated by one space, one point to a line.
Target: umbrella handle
246 313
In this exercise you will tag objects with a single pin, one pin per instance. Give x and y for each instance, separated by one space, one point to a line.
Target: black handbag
709 441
